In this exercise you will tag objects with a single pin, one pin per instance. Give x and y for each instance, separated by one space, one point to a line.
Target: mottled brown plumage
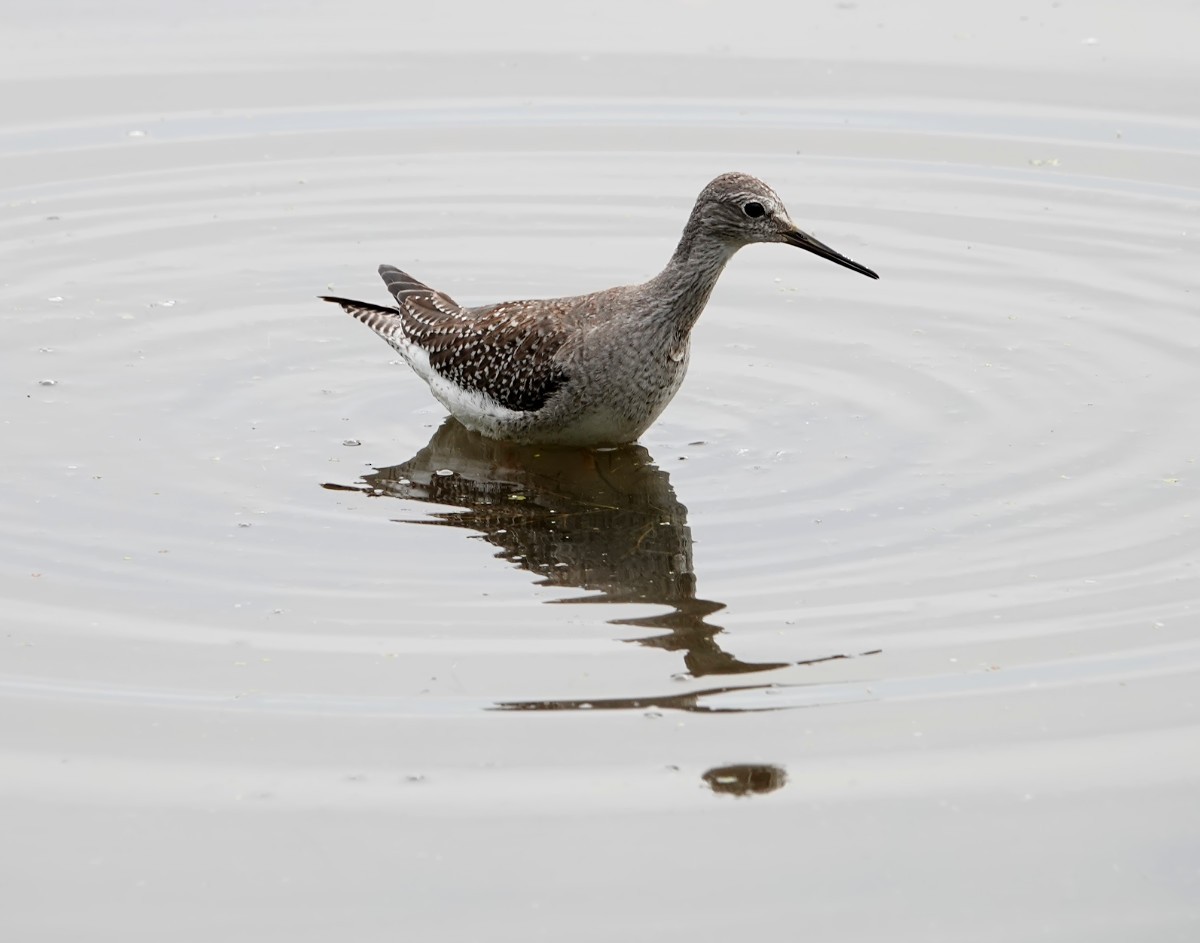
505 351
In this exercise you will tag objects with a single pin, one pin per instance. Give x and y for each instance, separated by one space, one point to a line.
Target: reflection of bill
606 521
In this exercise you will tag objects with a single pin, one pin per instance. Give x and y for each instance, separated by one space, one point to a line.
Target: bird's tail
382 320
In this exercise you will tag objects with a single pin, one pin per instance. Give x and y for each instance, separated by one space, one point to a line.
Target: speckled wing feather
383 321
506 351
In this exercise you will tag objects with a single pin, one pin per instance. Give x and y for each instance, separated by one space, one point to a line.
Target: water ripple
991 453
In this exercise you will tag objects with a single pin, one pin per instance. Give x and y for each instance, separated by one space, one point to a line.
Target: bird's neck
683 287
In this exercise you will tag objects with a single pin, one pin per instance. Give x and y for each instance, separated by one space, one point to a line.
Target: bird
588 370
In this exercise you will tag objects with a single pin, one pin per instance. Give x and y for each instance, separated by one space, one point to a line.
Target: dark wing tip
344 302
358 307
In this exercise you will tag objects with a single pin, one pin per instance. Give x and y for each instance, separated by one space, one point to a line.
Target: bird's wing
415 296
506 351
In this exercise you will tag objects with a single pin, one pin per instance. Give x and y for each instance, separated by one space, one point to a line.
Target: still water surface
887 626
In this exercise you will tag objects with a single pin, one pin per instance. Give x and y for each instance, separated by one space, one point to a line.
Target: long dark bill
802 240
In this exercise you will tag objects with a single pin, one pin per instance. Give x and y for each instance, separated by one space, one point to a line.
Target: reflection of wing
605 522
506 350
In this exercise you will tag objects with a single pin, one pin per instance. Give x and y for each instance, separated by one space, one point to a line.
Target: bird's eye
754 210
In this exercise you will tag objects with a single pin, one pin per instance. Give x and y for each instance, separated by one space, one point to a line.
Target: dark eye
754 210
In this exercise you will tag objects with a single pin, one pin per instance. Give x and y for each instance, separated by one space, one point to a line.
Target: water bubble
351 442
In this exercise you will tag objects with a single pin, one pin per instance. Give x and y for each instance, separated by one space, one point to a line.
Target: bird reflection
604 521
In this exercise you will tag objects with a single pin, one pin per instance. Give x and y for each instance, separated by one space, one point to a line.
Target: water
887 626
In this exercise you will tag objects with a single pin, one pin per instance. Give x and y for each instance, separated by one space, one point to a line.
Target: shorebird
588 370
